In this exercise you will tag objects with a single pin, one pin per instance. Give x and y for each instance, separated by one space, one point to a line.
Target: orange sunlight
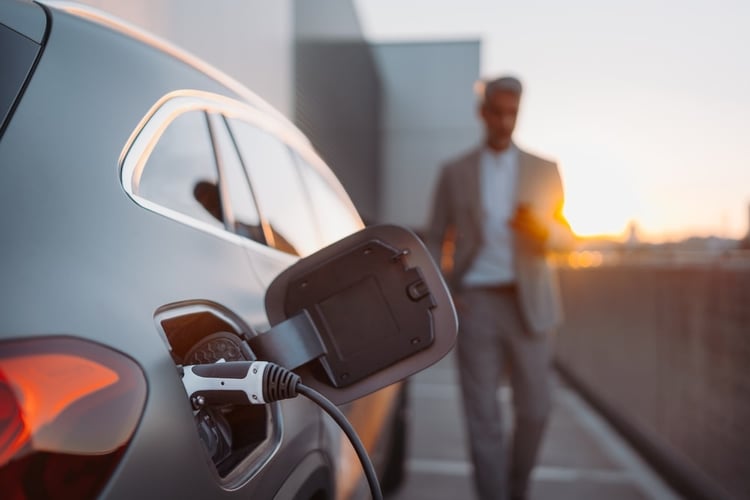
597 204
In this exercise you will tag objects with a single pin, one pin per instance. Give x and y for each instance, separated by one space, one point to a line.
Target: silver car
148 202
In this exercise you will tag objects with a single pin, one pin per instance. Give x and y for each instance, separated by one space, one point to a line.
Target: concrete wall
327 19
429 116
251 41
667 349
338 106
385 123
338 96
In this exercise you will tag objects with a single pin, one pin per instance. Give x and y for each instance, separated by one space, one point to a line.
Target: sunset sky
645 105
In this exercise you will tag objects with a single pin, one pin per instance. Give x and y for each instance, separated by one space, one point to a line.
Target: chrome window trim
144 137
140 144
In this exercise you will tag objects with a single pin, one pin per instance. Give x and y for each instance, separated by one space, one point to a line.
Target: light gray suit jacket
455 233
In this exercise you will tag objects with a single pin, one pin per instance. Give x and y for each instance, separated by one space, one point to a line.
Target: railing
653 256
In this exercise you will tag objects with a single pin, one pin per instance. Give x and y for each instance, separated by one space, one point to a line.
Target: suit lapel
525 179
474 190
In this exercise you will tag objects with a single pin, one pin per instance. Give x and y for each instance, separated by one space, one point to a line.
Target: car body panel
25 18
112 298
78 256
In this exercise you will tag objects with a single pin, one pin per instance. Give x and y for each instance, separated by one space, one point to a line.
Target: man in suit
497 216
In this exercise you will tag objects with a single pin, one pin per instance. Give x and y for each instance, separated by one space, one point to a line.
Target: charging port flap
369 310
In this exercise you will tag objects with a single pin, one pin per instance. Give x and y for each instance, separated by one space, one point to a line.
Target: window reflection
181 170
336 215
278 187
243 218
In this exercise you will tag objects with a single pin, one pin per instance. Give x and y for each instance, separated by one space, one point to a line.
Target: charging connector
260 382
239 383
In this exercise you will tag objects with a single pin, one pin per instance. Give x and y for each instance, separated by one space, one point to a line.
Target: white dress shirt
498 174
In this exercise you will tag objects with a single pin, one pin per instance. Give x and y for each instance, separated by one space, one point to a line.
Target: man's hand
525 222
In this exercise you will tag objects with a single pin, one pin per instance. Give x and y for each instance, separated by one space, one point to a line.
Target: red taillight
68 409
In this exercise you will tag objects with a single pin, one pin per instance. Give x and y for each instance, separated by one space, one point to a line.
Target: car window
336 215
180 172
18 57
278 187
242 214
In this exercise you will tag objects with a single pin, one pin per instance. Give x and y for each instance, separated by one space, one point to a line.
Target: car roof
24 17
114 23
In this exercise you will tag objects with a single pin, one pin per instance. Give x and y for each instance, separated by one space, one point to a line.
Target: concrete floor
582 457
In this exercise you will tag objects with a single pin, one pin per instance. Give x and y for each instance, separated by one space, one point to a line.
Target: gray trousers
493 340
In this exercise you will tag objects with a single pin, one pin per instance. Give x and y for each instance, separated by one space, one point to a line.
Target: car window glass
245 220
18 57
180 172
336 215
278 187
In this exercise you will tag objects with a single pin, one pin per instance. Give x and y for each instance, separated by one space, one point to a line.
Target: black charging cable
341 420
261 382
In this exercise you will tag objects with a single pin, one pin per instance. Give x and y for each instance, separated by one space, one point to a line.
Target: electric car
148 202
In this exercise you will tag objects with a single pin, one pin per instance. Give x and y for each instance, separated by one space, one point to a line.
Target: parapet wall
666 350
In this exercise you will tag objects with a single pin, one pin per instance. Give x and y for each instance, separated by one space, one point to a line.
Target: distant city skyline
644 105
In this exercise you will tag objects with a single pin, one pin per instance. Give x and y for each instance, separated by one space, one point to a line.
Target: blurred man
496 216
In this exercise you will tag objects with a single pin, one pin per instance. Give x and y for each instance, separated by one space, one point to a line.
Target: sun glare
587 218
598 203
